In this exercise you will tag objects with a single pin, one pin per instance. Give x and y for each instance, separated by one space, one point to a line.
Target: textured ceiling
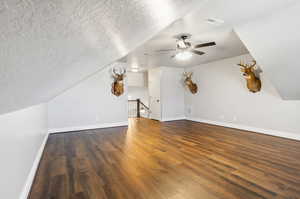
228 45
48 46
232 12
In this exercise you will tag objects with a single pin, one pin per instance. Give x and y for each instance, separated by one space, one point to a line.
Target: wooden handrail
139 103
138 108
144 105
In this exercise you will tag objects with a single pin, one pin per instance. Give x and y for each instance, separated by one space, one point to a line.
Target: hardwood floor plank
178 160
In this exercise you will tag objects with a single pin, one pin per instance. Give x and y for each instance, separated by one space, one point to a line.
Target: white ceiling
48 46
232 12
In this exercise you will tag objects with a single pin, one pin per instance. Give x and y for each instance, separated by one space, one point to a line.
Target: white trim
173 119
96 126
249 128
33 170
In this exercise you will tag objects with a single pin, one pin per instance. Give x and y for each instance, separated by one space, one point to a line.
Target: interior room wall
88 105
137 79
138 93
274 41
23 135
138 86
224 99
172 94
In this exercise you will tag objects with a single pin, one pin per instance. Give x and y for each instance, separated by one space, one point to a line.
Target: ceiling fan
184 46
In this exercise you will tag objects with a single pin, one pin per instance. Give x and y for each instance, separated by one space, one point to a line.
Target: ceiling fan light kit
184 49
184 55
135 70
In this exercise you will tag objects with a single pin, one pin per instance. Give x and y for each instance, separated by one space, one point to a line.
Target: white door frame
157 99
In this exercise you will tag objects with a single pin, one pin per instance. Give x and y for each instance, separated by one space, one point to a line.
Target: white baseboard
33 170
249 128
173 119
80 128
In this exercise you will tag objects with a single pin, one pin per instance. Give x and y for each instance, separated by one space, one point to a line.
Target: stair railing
136 108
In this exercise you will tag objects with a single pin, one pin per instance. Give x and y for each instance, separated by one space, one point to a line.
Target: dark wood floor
172 160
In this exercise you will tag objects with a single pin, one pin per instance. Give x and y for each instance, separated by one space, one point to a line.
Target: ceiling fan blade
205 45
160 52
198 52
165 50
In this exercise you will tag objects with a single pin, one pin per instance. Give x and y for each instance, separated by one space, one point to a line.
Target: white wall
22 135
274 41
172 94
138 93
88 105
137 79
224 99
138 87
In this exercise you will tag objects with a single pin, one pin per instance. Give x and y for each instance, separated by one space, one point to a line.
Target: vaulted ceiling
231 12
48 46
268 29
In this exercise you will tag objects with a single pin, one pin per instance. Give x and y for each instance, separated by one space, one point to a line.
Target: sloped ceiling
274 41
148 55
231 12
268 29
48 46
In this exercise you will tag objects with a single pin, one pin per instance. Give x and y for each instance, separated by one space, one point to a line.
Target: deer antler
115 74
242 64
254 63
123 71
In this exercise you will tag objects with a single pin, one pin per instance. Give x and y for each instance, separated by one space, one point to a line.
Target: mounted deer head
253 82
189 83
118 85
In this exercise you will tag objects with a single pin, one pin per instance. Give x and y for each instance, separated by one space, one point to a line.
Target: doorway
138 94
